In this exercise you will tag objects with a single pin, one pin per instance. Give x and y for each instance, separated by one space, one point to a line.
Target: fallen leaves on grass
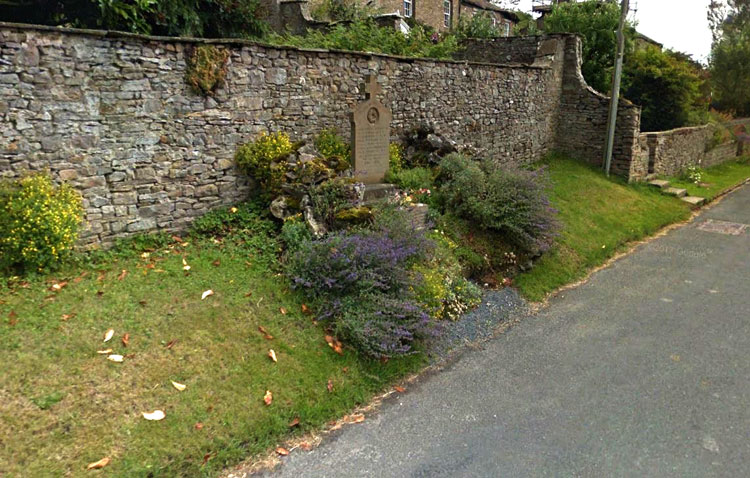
98 464
356 418
104 352
330 385
122 275
108 335
67 317
12 318
199 426
294 422
305 446
155 416
125 340
179 386
185 266
216 263
282 451
272 355
207 293
268 397
282 310
306 310
58 286
207 457
335 344
115 358
265 333
80 277
399 389
170 344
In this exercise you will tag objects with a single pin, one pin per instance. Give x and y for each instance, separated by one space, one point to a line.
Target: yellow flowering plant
38 222
263 160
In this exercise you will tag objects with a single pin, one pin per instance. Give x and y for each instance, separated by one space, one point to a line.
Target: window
408 8
506 29
447 6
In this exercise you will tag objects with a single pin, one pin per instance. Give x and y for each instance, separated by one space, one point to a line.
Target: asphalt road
642 371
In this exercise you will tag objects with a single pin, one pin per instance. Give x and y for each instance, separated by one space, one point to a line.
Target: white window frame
447 13
506 29
408 8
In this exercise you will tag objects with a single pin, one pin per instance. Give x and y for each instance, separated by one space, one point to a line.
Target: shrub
412 179
38 222
481 25
206 69
295 233
395 157
500 198
332 197
263 160
330 145
382 326
248 219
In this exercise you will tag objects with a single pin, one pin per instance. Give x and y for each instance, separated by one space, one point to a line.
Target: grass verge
716 179
63 405
599 216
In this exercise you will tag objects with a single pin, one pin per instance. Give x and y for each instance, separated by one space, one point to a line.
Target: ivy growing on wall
206 69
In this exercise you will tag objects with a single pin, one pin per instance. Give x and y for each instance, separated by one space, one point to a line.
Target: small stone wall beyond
669 153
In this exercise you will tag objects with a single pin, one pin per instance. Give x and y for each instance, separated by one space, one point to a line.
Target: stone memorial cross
371 133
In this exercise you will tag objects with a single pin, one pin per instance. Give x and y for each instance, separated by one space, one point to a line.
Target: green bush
247 219
331 198
367 35
330 145
264 160
480 25
38 222
500 198
412 179
294 232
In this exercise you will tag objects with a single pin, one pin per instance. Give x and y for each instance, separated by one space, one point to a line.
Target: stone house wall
111 114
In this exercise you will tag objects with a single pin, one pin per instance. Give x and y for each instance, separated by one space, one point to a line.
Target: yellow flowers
38 221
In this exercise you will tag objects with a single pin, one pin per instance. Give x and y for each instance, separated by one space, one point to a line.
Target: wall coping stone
239 41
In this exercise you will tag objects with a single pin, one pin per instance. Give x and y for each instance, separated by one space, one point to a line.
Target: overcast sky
678 24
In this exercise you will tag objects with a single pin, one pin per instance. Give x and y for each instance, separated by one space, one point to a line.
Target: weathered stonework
669 153
111 113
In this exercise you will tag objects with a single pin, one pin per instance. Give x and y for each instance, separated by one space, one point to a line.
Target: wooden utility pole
614 101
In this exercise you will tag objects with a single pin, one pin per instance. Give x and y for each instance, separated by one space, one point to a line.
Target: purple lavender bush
361 282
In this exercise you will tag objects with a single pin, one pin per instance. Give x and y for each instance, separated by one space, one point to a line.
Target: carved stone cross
372 88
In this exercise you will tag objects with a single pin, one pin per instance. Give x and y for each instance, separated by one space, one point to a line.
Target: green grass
716 179
600 216
63 406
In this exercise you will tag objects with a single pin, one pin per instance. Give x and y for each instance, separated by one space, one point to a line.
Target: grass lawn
600 216
717 179
63 405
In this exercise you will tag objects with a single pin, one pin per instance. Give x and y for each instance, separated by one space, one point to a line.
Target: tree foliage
596 22
203 18
730 55
667 87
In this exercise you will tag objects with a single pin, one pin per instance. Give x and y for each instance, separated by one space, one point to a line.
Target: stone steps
666 188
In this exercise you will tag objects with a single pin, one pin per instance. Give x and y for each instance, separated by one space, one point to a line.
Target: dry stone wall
111 114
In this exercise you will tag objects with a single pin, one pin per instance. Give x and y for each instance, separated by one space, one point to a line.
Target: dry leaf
115 358
294 422
282 451
12 318
99 293
357 418
282 310
177 238
156 415
335 345
145 255
150 266
305 446
207 293
272 355
399 389
57 286
330 385
80 277
171 343
130 356
122 274
101 276
248 294
143 303
305 309
268 397
199 426
216 263
104 352
179 386
207 457
185 265
263 331
67 317
108 335
98 464
125 340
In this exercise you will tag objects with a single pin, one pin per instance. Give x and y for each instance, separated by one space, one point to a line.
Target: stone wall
507 50
669 153
111 113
